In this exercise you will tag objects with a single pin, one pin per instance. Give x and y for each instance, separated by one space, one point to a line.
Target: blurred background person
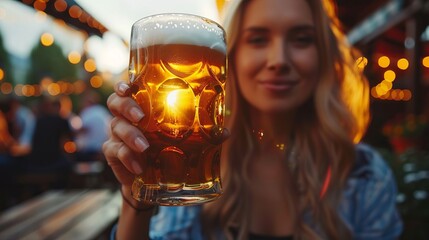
16 131
6 142
95 129
52 131
6 163
21 123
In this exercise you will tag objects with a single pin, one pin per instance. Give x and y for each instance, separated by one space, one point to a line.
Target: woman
292 167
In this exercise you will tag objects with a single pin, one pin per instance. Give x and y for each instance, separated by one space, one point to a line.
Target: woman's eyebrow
297 28
303 28
255 29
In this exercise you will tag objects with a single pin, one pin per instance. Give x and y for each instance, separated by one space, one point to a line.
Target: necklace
286 148
260 138
291 158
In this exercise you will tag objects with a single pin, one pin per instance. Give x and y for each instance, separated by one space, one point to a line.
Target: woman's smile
277 85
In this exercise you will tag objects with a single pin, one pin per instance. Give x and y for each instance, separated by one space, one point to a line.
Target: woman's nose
277 56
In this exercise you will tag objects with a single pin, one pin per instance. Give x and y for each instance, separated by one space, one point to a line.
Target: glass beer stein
177 74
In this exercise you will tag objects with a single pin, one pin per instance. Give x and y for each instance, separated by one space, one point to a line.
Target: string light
6 88
425 61
96 81
47 39
384 62
60 5
39 5
389 75
90 65
74 57
75 11
403 64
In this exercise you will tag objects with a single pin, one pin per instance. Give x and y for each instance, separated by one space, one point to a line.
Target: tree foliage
49 61
5 63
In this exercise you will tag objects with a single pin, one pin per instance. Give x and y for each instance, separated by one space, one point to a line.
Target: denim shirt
368 207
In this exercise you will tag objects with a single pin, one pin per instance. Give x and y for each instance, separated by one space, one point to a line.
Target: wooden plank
83 214
98 221
25 222
15 214
62 220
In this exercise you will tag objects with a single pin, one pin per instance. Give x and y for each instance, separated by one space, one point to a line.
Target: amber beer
177 74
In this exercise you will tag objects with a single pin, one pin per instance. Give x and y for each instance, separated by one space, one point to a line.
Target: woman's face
276 59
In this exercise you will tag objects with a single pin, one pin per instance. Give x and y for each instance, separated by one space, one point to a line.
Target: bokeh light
389 75
90 65
74 57
47 39
384 62
75 11
403 64
96 81
6 88
70 147
425 61
39 5
54 89
362 62
60 5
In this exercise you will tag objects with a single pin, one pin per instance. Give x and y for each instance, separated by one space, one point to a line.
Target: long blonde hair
331 122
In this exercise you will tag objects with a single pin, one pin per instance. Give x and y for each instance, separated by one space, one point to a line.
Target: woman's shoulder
369 203
369 164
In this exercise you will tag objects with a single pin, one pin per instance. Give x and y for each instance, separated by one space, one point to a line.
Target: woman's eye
303 40
256 40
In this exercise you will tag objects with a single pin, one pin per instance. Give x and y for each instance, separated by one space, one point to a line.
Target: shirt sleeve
176 223
113 232
374 198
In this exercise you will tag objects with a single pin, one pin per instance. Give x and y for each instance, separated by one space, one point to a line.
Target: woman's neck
272 131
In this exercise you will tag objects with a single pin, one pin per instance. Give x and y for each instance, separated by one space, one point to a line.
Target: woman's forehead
260 12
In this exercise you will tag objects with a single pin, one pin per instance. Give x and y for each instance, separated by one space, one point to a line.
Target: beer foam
174 29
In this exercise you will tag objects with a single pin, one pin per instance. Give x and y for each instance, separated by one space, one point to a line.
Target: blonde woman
293 167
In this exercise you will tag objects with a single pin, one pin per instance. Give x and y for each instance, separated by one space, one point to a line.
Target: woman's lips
277 86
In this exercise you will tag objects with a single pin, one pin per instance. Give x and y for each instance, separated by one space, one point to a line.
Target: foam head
178 29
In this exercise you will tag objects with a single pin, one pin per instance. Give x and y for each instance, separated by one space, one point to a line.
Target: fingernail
123 88
136 167
141 144
136 114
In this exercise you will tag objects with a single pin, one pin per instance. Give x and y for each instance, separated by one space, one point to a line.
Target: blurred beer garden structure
393 36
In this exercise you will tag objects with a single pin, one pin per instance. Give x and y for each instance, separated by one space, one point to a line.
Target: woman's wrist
139 207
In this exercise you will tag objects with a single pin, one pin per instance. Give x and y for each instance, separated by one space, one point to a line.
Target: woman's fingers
121 167
129 134
125 107
122 89
122 160
225 134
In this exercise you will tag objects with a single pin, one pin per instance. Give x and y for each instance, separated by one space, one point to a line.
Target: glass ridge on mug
177 74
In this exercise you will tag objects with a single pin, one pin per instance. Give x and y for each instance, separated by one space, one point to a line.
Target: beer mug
177 74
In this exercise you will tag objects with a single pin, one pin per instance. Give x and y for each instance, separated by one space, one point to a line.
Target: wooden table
71 214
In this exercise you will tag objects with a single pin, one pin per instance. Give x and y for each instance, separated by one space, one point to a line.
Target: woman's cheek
306 62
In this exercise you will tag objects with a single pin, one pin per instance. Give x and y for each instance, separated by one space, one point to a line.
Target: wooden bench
63 214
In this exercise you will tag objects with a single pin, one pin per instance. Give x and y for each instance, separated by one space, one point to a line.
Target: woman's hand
126 141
